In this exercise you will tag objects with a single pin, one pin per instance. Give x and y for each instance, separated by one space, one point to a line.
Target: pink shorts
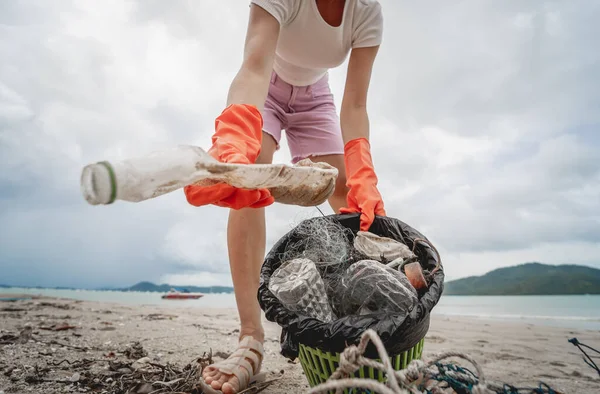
308 116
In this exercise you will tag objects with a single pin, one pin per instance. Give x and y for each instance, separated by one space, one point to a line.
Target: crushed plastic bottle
298 285
164 171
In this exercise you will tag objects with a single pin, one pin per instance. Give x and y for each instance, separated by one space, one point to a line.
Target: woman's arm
353 115
238 129
363 195
251 84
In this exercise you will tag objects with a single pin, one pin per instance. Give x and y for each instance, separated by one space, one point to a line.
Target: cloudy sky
485 133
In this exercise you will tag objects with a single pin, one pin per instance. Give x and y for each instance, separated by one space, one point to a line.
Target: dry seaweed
135 351
22 337
127 371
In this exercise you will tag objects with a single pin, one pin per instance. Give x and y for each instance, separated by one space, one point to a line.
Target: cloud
484 128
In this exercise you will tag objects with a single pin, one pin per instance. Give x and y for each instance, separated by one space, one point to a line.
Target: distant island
141 286
525 279
529 279
163 288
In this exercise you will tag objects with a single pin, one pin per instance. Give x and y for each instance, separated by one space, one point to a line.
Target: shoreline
449 306
6 287
518 353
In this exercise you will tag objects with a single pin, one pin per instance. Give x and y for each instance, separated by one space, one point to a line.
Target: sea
574 311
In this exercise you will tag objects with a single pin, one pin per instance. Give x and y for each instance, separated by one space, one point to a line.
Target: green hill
529 279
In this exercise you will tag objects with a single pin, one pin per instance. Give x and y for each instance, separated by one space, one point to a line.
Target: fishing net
326 275
325 282
323 241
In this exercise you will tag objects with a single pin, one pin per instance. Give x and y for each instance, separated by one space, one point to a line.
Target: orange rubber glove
237 139
363 196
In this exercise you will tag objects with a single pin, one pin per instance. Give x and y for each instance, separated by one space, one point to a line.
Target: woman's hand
237 139
363 197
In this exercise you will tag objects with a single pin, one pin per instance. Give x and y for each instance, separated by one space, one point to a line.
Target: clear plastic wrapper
370 287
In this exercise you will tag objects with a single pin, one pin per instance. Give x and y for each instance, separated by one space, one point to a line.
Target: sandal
232 366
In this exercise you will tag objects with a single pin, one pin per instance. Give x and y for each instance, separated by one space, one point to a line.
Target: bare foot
236 372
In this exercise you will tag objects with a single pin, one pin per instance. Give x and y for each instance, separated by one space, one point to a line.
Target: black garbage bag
398 332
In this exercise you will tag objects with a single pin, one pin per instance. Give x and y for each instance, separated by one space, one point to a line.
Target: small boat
174 294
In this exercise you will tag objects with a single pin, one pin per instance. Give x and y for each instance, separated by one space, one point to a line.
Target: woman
283 84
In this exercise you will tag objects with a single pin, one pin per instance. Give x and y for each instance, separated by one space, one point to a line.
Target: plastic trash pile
329 274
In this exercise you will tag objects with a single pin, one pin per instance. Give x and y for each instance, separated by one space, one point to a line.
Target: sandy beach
57 345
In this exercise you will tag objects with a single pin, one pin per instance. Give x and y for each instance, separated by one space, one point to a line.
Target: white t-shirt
308 46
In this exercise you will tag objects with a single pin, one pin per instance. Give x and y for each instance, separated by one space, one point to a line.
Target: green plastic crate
318 366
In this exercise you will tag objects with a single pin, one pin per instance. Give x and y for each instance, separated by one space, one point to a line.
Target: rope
319 209
418 377
586 358
398 382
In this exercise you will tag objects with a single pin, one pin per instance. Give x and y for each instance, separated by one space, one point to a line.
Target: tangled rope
418 377
586 358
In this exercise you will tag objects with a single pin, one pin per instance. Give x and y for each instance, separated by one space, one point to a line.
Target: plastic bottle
141 178
164 171
298 285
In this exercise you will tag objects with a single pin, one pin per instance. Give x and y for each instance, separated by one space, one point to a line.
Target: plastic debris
339 252
371 287
299 286
381 248
414 273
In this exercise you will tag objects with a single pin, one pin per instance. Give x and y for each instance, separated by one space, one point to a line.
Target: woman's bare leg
246 242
